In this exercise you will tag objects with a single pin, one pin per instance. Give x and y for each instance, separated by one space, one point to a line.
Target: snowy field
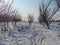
36 34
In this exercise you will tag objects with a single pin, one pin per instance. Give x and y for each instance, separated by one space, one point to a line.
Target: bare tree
6 12
9 10
57 2
30 19
46 13
16 17
4 9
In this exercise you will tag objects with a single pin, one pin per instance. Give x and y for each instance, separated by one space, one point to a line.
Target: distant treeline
5 18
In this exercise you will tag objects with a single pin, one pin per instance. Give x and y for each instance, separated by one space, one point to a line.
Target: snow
36 34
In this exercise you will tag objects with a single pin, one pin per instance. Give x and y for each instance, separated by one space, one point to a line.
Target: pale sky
28 6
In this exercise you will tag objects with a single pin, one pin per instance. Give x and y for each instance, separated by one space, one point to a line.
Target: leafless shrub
30 19
17 18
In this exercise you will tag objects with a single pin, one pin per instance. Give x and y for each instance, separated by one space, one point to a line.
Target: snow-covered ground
36 34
